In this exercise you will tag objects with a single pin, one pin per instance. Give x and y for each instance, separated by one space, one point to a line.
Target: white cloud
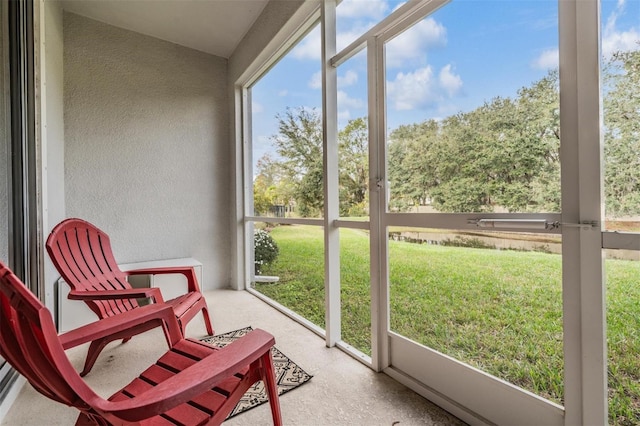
346 104
548 59
344 115
449 81
425 34
411 90
373 9
348 79
310 46
344 101
344 38
613 39
620 41
316 80
414 42
283 93
421 88
256 107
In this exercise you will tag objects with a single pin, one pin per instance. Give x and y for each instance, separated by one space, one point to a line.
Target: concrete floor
342 392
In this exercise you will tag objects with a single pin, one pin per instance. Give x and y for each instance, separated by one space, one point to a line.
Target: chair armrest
188 271
134 293
105 327
194 380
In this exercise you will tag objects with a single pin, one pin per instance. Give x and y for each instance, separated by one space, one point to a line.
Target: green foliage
300 267
296 178
413 158
504 153
308 192
622 134
299 146
354 168
270 187
266 249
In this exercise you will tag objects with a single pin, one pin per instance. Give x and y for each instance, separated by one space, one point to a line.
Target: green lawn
500 311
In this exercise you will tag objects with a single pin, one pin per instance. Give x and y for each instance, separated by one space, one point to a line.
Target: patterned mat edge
287 372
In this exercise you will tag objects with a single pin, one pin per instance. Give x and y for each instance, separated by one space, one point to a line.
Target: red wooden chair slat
190 395
96 261
210 401
174 361
187 414
136 387
67 246
156 374
193 347
228 385
158 421
82 255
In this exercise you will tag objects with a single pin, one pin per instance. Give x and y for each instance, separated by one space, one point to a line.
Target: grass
500 311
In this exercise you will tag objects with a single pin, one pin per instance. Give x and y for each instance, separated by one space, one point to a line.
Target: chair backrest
82 255
29 342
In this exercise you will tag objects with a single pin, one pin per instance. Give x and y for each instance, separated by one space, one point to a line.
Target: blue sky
465 53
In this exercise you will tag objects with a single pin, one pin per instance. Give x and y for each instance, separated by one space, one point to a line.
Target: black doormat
288 374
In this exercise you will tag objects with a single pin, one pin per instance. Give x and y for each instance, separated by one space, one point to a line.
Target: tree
299 146
353 167
298 172
504 153
269 188
262 199
411 163
622 134
540 110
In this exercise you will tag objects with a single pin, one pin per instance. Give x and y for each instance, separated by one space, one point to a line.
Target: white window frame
582 214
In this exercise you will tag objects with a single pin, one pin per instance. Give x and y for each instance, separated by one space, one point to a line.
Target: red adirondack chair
82 255
191 384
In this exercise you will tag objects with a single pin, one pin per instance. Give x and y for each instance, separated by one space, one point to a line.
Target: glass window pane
294 276
620 34
353 138
623 340
355 289
473 110
355 17
286 117
493 301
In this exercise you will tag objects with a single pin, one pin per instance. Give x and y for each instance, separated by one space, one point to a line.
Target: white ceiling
212 26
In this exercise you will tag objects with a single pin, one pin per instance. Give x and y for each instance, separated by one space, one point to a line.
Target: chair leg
183 326
92 354
207 321
83 420
271 387
86 420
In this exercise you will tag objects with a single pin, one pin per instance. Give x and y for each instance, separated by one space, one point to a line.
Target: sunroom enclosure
582 39
159 144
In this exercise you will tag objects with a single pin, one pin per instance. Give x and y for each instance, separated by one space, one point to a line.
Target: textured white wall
53 133
147 155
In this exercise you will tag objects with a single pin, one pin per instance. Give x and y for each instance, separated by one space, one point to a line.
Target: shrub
266 249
